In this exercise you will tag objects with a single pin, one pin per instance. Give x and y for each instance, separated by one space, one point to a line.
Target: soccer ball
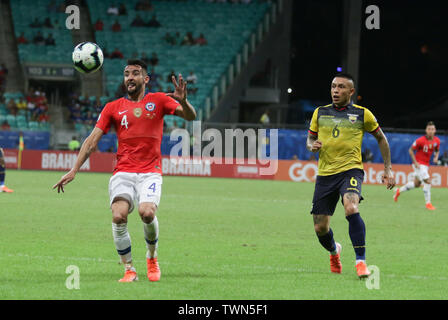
87 57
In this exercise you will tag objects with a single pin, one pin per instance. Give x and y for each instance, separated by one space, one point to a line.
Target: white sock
151 231
122 242
427 192
408 186
358 261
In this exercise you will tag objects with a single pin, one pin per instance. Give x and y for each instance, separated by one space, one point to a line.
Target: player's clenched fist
316 146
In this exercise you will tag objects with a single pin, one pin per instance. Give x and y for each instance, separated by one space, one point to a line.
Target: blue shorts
328 189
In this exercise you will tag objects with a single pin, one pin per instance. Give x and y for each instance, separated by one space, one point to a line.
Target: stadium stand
46 20
224 26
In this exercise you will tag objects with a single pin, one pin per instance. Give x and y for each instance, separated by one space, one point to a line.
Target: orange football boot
361 270
6 189
335 260
429 206
396 195
153 269
129 276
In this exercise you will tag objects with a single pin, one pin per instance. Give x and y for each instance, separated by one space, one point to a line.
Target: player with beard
137 177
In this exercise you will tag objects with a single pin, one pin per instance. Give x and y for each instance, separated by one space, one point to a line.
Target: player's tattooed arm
312 143
388 177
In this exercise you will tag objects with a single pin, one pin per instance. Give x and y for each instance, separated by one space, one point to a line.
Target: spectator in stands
264 120
444 159
5 126
153 22
113 10
39 39
201 40
74 144
138 21
47 23
122 11
116 27
12 107
170 77
154 60
367 156
143 5
116 54
188 39
50 40
56 24
99 25
169 39
36 23
192 79
154 81
21 39
178 38
21 104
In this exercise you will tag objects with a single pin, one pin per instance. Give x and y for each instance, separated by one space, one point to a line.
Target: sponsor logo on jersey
138 112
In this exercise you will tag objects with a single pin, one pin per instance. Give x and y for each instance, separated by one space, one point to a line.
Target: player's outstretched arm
186 110
88 146
388 177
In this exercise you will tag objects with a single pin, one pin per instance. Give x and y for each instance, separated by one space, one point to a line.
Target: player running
138 121
424 146
336 132
3 188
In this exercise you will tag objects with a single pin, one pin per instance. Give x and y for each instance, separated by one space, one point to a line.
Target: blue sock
2 176
327 241
357 232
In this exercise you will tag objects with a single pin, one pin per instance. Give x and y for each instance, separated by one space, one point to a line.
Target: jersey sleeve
314 126
105 118
416 144
169 105
370 123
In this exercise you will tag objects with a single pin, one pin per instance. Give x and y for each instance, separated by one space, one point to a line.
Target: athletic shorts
136 187
328 189
421 173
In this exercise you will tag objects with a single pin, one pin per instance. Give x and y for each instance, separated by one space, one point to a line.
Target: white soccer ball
87 57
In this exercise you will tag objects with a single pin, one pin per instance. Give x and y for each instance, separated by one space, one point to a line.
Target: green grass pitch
219 239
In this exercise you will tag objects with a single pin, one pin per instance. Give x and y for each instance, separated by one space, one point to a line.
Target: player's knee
119 217
120 212
147 212
350 208
321 229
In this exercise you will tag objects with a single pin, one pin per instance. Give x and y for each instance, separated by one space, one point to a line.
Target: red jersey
425 148
139 127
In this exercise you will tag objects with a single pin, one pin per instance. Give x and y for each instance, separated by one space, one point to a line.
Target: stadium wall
287 170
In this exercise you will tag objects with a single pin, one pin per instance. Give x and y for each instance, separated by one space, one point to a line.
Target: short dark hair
137 62
344 75
430 123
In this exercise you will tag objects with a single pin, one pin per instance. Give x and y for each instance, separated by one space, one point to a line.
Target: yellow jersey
341 129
